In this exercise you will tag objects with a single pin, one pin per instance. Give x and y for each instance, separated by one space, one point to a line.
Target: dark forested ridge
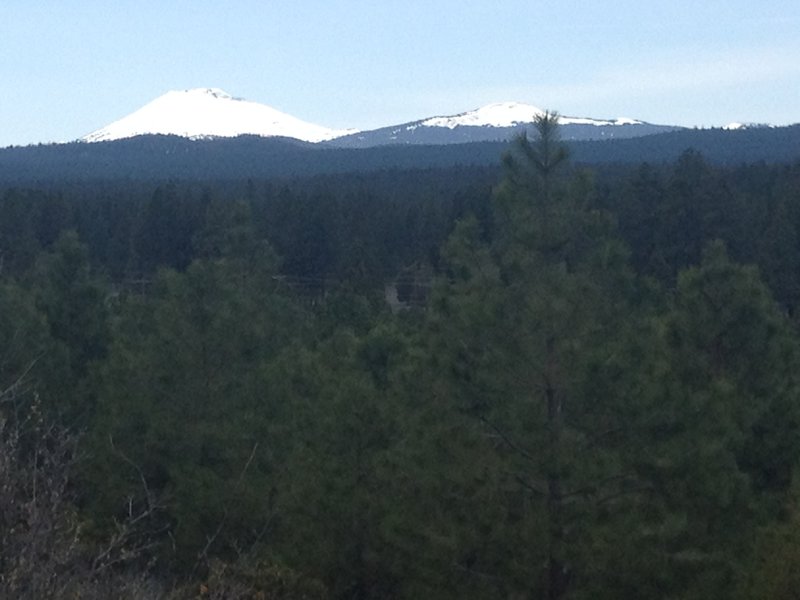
158 157
417 132
518 378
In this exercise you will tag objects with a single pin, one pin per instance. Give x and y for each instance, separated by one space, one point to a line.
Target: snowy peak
499 114
512 114
210 112
501 121
213 92
599 122
736 125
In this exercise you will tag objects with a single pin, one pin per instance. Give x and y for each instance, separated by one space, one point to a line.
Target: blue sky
68 67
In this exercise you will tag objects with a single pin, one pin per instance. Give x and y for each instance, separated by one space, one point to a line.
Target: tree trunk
557 574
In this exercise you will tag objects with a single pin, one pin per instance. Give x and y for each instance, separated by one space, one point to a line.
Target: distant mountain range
206 134
212 113
495 122
170 157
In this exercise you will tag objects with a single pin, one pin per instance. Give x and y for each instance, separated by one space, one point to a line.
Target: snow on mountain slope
510 114
501 121
210 112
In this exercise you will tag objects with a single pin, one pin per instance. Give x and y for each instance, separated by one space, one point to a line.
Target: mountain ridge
159 157
202 113
208 113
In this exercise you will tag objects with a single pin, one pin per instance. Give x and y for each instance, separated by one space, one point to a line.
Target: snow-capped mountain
210 112
495 122
510 114
736 126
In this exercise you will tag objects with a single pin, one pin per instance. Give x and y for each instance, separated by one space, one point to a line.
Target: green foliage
32 363
636 442
73 301
525 326
18 244
339 424
733 341
181 398
584 396
773 569
706 446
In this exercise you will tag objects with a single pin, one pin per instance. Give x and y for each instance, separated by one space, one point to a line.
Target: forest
541 379
169 157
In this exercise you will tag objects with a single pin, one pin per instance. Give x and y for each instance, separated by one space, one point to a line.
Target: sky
68 67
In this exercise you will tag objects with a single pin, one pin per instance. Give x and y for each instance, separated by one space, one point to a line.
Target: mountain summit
494 122
210 112
511 114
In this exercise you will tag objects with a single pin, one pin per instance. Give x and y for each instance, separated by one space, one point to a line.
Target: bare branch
511 444
531 487
11 389
621 493
142 478
202 557
595 439
598 485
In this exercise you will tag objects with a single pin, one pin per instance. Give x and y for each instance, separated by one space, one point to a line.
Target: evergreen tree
18 244
338 427
730 340
523 323
32 363
73 301
181 398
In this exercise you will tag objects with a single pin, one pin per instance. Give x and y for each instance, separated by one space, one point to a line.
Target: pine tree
523 324
181 397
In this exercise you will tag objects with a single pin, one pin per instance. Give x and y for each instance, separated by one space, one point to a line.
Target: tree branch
511 444
202 557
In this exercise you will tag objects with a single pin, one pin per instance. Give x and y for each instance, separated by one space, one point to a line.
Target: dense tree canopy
541 382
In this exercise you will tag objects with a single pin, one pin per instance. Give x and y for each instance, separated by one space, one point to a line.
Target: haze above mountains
204 113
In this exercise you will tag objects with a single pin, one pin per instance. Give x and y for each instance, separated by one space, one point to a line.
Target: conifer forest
530 379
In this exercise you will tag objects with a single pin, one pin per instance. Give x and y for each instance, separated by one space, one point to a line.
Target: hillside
172 157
